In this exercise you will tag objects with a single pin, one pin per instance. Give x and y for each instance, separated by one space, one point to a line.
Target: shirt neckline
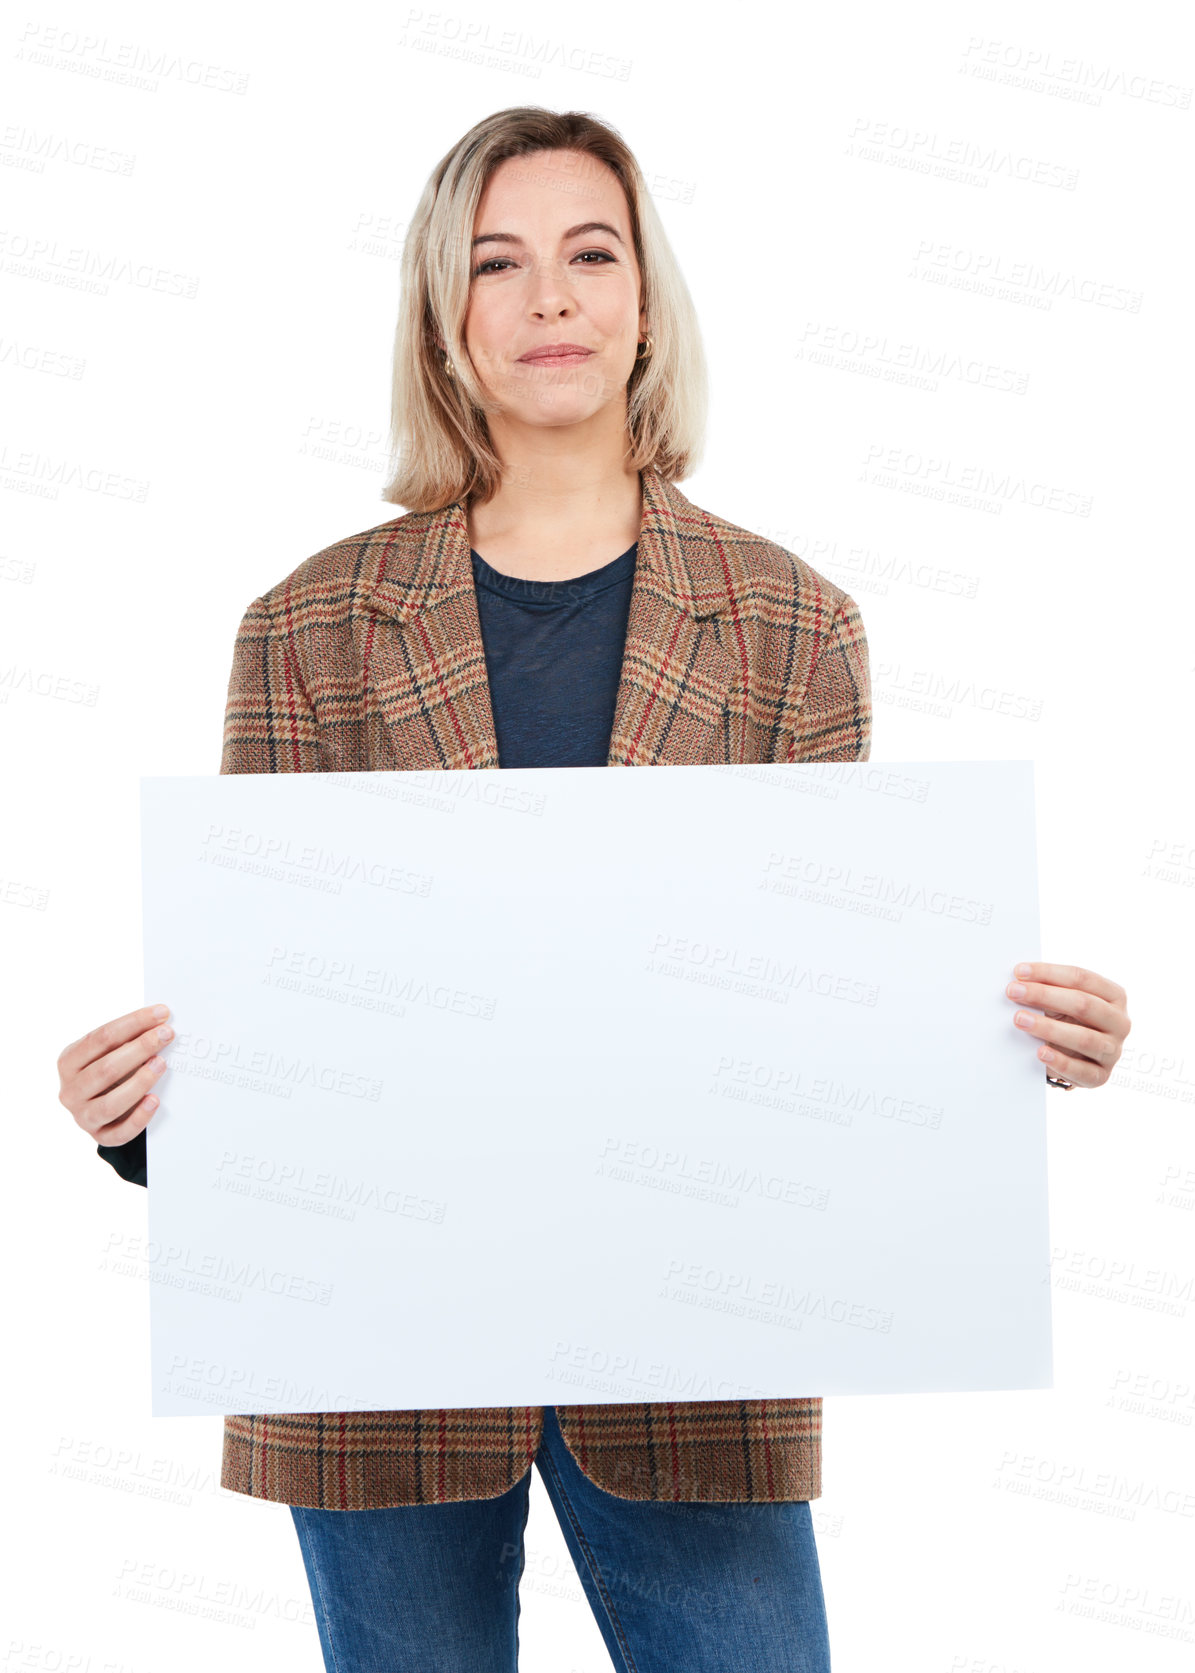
571 591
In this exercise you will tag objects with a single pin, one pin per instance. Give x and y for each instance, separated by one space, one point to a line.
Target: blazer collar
673 554
424 659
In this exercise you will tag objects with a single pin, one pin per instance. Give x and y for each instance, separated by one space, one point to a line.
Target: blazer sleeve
269 720
833 719
269 727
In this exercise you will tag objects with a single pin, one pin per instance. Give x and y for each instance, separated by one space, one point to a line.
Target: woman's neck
557 514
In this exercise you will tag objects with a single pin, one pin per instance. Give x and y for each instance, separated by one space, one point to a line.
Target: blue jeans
687 1588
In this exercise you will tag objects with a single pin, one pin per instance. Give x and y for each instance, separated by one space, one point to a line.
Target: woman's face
552 264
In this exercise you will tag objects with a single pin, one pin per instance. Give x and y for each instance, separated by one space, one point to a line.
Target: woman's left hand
1085 1020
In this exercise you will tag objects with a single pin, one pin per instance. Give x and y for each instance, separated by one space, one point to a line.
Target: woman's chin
550 410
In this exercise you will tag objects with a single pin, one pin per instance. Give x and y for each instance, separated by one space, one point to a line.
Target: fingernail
161 1011
1016 990
1023 970
1023 1019
165 1033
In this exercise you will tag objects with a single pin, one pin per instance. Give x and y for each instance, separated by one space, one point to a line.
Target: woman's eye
495 264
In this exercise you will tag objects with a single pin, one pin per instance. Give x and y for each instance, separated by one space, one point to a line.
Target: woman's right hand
106 1076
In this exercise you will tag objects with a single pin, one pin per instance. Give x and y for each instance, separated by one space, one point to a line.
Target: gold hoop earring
448 371
646 345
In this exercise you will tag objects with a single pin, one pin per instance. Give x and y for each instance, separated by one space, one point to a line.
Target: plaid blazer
369 657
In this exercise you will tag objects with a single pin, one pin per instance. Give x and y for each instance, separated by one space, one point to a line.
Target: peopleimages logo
634 1162
1065 75
230 844
834 882
63 688
174 1263
875 355
294 1185
949 155
609 1370
793 1089
770 978
994 273
325 976
229 1058
747 1288
934 476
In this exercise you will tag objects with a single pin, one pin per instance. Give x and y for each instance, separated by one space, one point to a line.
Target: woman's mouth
557 354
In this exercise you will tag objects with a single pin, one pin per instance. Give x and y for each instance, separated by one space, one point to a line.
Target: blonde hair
440 440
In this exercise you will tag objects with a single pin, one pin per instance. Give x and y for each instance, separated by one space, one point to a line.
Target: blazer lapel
421 646
676 678
424 658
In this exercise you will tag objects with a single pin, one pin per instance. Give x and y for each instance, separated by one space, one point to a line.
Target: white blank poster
544 1086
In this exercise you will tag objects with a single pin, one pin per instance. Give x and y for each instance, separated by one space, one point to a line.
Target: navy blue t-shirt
553 652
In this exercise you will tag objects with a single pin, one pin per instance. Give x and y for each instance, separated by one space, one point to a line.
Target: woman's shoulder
336 575
757 565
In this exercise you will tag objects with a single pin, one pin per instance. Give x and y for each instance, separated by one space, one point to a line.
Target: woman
550 599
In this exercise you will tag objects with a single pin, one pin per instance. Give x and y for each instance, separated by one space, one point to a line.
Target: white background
1020 1532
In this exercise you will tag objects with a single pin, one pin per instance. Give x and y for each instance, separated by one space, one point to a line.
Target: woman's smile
557 354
